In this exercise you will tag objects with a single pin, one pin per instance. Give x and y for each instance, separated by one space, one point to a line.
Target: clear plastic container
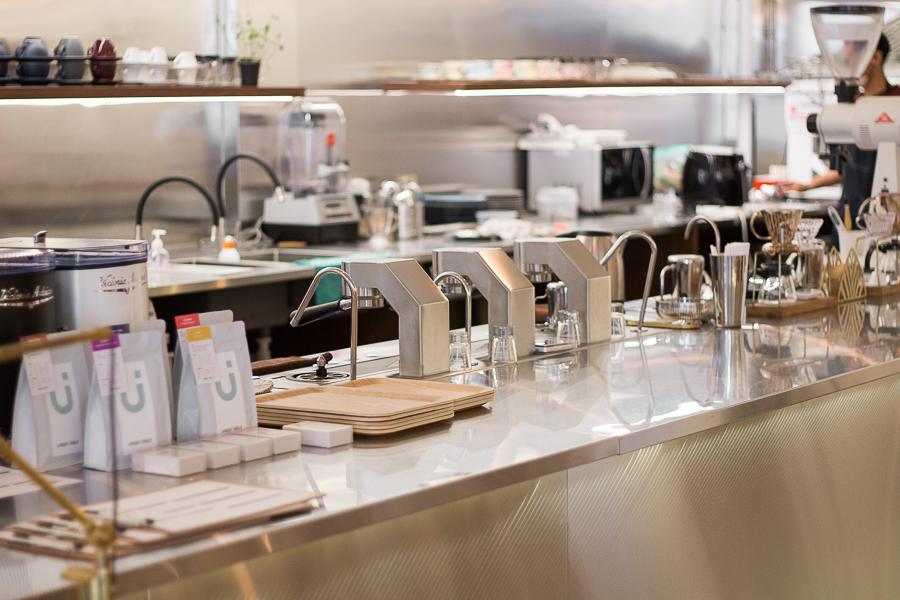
311 147
847 36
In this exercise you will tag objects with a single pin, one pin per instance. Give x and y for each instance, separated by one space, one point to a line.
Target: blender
316 207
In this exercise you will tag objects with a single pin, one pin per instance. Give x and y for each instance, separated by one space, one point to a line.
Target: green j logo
139 405
233 391
54 401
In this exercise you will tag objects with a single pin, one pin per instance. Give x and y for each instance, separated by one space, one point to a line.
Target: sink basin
269 258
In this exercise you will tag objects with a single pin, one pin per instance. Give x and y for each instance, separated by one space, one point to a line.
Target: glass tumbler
503 344
617 326
460 351
568 331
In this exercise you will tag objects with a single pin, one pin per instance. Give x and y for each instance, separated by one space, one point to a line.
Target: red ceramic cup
103 60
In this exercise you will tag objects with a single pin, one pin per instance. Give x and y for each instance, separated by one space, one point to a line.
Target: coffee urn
27 307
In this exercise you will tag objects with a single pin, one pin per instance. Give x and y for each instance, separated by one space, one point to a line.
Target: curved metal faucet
354 304
704 218
612 250
220 179
209 200
447 275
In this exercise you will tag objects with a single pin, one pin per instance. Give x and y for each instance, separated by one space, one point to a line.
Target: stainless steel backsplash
80 171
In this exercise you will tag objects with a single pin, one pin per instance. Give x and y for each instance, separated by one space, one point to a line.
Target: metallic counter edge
228 548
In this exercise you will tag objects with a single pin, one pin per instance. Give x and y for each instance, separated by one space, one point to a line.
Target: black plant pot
250 73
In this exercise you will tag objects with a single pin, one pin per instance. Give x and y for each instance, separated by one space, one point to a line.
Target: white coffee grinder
312 164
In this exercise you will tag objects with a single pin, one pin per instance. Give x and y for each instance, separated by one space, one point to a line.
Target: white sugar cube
252 448
282 441
323 435
170 461
217 455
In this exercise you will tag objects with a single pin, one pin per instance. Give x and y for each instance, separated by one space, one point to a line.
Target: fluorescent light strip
94 102
628 92
345 93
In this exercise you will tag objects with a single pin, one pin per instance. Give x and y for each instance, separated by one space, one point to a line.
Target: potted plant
255 44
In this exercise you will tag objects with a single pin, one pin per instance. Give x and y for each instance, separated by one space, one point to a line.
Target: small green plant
255 43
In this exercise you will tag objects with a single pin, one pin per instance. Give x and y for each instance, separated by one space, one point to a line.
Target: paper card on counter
182 324
106 354
203 355
13 483
203 504
38 367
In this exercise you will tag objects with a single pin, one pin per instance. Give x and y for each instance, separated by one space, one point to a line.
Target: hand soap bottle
159 256
228 251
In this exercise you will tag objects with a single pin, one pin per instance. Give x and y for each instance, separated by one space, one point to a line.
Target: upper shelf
565 87
94 95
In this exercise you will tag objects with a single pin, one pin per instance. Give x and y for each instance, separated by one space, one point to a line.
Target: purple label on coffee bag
112 342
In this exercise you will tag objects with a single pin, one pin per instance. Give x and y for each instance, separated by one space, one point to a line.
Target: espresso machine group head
588 283
510 296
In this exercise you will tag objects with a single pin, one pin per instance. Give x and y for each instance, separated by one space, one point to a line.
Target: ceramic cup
186 67
33 47
103 60
69 69
144 71
4 59
131 65
159 65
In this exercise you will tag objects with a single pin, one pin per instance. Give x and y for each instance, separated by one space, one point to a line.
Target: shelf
564 87
103 95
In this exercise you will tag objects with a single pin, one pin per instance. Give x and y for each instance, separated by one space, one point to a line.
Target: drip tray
311 377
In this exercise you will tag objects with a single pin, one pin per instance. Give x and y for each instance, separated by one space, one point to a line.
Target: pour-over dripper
847 37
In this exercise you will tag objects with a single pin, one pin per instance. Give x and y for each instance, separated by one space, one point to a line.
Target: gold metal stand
99 534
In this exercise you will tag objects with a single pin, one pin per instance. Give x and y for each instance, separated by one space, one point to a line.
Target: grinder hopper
847 37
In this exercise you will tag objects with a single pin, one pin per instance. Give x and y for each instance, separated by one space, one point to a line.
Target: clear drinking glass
617 326
460 351
503 344
568 330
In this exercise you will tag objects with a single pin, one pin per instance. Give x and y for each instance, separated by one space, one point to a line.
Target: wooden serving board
877 292
373 406
772 311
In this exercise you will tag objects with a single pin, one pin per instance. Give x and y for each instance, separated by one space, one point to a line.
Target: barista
860 170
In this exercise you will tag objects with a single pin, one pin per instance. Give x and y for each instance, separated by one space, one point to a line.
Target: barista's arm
829 178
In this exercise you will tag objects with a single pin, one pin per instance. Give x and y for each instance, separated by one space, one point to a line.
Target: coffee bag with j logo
216 394
182 324
51 399
128 392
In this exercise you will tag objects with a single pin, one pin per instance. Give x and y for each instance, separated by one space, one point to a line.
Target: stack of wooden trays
375 406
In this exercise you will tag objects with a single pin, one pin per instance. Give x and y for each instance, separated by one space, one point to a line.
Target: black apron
857 184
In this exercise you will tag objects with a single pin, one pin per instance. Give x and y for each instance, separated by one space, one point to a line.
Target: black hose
209 199
220 176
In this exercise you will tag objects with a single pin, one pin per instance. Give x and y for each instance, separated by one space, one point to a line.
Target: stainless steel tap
354 306
588 283
423 310
451 282
698 218
612 251
509 294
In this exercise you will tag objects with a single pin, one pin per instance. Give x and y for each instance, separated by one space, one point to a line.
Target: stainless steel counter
206 274
549 415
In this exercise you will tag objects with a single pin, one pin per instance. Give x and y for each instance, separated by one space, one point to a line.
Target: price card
38 367
110 364
182 324
203 355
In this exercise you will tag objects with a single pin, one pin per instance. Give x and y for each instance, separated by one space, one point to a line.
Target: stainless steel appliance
608 177
312 165
599 243
97 282
715 175
27 306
